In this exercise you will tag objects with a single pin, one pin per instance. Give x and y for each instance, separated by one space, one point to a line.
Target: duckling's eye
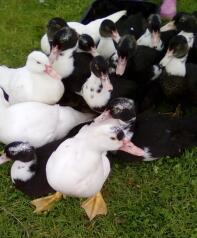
61 54
38 62
112 138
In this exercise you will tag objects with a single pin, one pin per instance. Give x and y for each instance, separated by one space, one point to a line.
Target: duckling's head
21 151
38 62
182 21
109 136
54 25
154 24
187 23
178 48
99 67
86 44
65 39
108 29
126 49
122 109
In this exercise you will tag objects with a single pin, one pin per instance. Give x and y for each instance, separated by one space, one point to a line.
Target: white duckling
36 123
36 81
91 28
85 168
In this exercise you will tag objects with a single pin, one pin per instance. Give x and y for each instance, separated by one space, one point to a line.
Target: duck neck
65 58
177 67
189 37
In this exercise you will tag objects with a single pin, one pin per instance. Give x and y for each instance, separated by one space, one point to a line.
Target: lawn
150 200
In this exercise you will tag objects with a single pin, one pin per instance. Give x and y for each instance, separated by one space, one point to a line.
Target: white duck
35 122
91 28
85 168
36 81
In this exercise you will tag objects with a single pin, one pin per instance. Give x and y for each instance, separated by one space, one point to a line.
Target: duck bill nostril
54 54
121 66
4 159
130 148
169 26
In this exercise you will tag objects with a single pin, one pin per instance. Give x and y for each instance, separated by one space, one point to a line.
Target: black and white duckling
86 44
108 37
135 62
186 25
28 171
97 89
178 79
64 43
36 123
86 167
162 135
151 37
53 26
36 81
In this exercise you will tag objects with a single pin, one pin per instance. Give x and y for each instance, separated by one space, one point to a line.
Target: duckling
53 26
63 45
84 176
186 25
36 123
28 171
151 37
178 79
109 35
36 81
101 87
135 62
170 136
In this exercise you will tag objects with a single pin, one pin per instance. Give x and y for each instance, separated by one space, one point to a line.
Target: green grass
145 200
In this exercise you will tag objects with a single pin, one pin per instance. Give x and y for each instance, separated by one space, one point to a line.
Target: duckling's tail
148 156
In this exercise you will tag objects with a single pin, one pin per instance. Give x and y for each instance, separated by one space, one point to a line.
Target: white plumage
36 123
36 81
79 166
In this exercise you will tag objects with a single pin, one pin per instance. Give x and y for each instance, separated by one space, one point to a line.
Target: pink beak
94 52
169 26
121 66
106 82
155 39
103 117
4 159
51 72
54 54
130 148
115 36
167 58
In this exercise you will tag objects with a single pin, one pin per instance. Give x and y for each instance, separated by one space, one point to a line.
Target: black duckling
162 135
